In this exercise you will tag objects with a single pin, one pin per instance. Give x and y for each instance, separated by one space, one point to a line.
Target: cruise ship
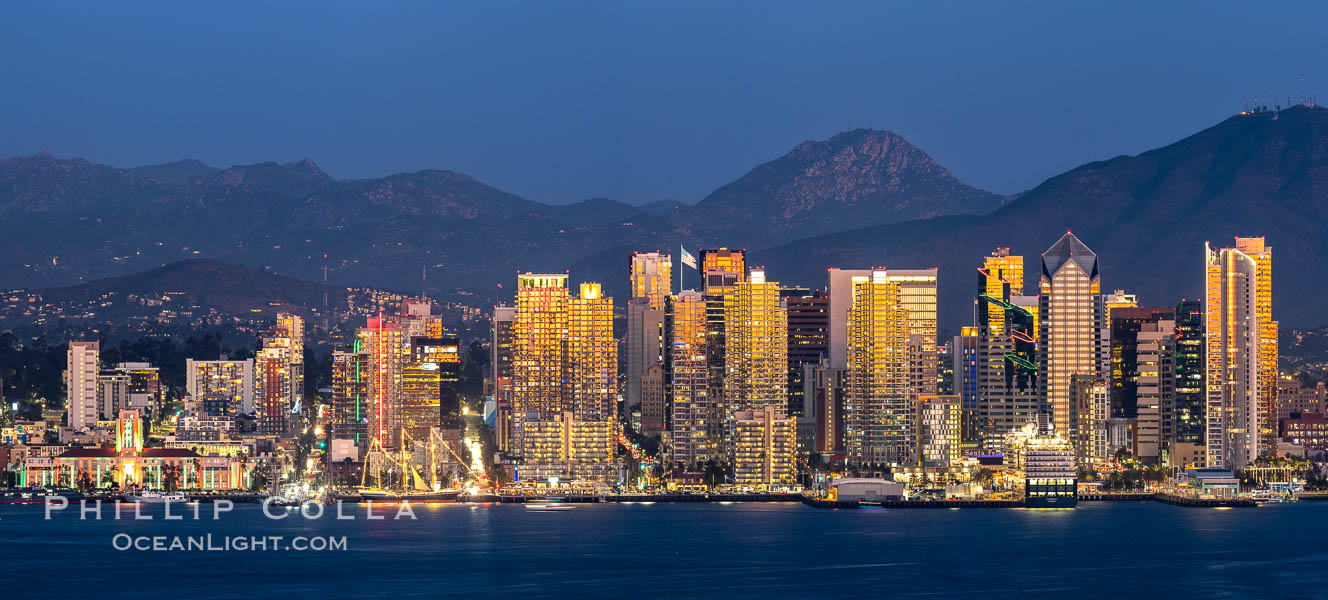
1050 478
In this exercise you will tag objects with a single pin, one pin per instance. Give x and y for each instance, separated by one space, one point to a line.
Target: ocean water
742 550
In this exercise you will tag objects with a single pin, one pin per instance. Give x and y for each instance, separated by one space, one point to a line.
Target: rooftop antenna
424 281
325 321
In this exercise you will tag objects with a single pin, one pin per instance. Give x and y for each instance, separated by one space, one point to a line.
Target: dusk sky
559 102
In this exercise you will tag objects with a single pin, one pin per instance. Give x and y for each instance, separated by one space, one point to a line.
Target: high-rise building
1241 348
1090 408
756 355
841 299
1071 313
722 270
1190 405
880 417
562 446
1126 323
592 356
112 394
279 375
502 338
964 383
565 374
645 348
651 277
917 294
223 387
351 372
388 350
939 435
1153 387
82 363
539 346
429 388
825 389
689 379
764 443
1005 348
1002 277
808 339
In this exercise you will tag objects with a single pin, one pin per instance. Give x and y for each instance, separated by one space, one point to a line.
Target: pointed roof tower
1069 248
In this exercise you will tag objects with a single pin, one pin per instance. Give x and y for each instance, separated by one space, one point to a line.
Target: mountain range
861 198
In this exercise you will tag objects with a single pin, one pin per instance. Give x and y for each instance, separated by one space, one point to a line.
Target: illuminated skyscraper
1008 394
764 443
1090 407
1241 344
880 418
1002 277
592 356
917 294
1191 405
501 343
756 356
651 277
538 346
351 372
808 339
1072 313
939 443
689 379
224 387
429 388
722 270
386 344
81 367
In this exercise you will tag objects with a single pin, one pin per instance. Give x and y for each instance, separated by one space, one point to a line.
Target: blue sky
561 101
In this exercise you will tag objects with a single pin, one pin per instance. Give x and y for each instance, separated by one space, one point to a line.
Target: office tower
385 342
808 339
592 356
538 346
1241 357
1007 387
1090 408
645 348
1154 387
502 337
825 388
841 299
1189 415
689 380
1071 313
292 327
223 387
429 388
764 442
1002 277
880 424
964 383
756 355
82 360
1126 323
939 435
723 270
651 277
351 372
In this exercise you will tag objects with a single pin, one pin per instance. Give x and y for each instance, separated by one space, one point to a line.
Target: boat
155 497
549 504
31 495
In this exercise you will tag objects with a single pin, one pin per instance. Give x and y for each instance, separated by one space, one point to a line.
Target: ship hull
1051 502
